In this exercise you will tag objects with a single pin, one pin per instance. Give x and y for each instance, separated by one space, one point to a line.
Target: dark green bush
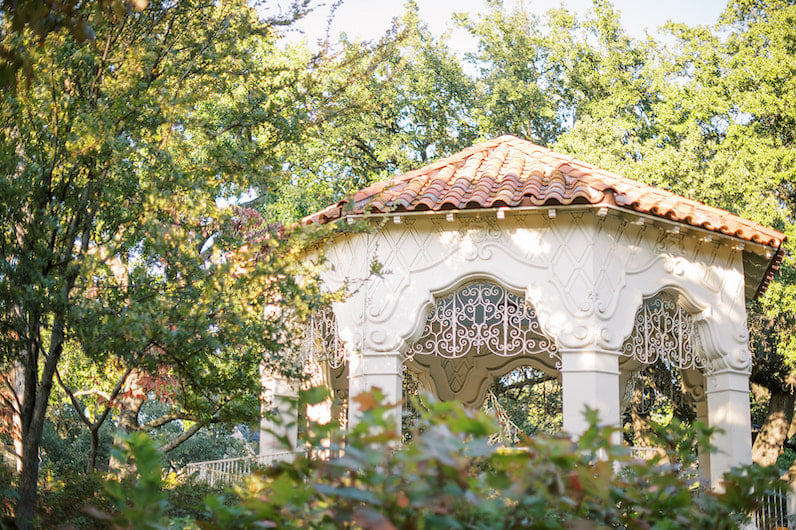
8 496
449 476
62 500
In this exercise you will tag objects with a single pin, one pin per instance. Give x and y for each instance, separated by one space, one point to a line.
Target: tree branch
166 418
176 442
114 393
18 408
73 399
502 389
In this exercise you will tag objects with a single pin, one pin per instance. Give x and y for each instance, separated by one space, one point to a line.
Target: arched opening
663 371
526 401
324 358
482 345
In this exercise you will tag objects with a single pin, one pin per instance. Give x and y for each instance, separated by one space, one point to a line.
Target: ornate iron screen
322 341
482 318
664 331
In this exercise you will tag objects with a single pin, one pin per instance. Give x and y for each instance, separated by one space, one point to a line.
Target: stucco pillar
279 427
369 370
589 377
728 410
703 456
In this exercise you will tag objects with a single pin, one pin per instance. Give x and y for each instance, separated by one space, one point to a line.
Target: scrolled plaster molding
584 276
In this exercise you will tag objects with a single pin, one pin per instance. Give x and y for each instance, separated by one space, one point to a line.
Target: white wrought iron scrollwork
664 331
322 342
482 318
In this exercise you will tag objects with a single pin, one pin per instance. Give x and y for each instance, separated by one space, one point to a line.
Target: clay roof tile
508 171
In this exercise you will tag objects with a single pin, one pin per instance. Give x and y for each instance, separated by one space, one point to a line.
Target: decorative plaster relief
345 263
694 383
586 276
468 379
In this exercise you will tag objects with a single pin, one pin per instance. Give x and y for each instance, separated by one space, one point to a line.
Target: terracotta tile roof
511 172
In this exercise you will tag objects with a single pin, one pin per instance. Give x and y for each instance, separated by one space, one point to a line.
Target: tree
28 22
718 128
395 105
518 90
118 150
759 66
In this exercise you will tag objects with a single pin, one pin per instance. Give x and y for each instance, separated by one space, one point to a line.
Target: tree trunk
131 400
28 478
34 410
28 456
92 454
18 391
774 432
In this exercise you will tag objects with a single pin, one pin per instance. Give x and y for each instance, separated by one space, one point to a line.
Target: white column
279 417
590 377
703 456
728 410
369 370
319 413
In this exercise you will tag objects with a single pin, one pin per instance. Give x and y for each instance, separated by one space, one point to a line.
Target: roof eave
338 212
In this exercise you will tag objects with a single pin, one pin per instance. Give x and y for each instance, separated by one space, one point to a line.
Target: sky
369 19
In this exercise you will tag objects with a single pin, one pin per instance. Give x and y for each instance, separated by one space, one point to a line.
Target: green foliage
66 442
138 498
516 82
65 496
27 23
73 498
388 107
449 476
213 442
529 401
7 495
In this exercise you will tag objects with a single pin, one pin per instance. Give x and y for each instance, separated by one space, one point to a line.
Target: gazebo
509 254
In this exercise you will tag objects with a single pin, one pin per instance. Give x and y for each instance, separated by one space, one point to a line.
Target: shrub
8 496
63 497
449 476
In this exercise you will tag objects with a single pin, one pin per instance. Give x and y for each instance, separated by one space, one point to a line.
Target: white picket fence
229 470
774 513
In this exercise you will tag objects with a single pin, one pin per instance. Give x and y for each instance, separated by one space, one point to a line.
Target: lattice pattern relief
322 341
482 318
664 331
